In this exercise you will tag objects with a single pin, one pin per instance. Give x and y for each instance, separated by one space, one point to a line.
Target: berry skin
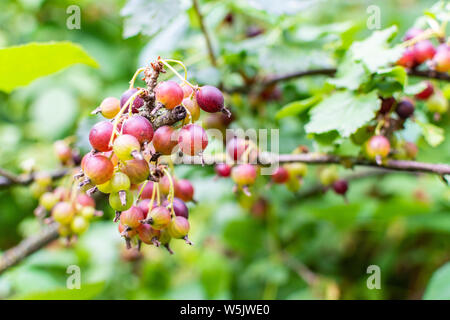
160 218
132 217
223 170
184 190
136 170
328 175
105 187
120 182
210 99
192 139
79 225
244 174
165 140
63 212
437 103
98 168
100 135
169 93
126 146
187 90
340 187
386 104
110 107
143 205
87 212
378 146
407 59
297 169
147 234
129 234
83 200
164 185
412 33
179 207
62 151
441 60
236 147
178 227
425 93
405 108
139 127
116 204
410 149
423 51
48 200
193 108
280 175
138 101
148 190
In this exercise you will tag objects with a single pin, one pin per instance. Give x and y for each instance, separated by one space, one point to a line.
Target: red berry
441 60
280 175
110 107
100 135
192 139
236 147
386 104
164 184
407 59
143 205
130 233
192 106
147 234
138 101
148 190
85 201
210 99
178 227
139 127
98 168
405 108
411 150
62 150
126 147
425 93
179 207
132 217
378 146
165 140
169 93
340 186
184 190
412 33
137 170
244 174
187 90
223 170
159 217
63 212
423 51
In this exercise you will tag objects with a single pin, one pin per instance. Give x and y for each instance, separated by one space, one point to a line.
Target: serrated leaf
343 112
396 73
439 286
25 63
433 135
350 75
297 107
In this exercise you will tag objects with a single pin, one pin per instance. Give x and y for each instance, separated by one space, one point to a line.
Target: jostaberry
169 93
405 108
98 168
139 127
210 99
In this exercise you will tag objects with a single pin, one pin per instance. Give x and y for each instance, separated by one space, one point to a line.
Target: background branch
212 57
8 179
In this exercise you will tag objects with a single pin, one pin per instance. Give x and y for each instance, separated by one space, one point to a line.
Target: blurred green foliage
399 222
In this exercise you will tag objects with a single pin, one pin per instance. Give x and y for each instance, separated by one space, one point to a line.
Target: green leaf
343 112
396 73
86 292
25 63
297 107
350 75
433 135
439 286
413 89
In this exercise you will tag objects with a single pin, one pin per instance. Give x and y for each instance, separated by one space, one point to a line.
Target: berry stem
176 72
138 71
172 191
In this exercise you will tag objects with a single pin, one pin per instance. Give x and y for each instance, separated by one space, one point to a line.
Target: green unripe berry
328 175
116 204
160 218
48 200
120 181
87 212
63 212
437 103
125 146
79 225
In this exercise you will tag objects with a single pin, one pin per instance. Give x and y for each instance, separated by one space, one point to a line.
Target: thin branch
8 179
300 268
28 246
212 57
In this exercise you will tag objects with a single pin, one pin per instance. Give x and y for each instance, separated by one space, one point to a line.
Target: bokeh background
399 222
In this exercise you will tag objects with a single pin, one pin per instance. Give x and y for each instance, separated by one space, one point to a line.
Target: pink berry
210 99
280 175
100 135
165 140
98 168
139 127
425 93
192 139
184 190
169 93
423 51
138 101
223 170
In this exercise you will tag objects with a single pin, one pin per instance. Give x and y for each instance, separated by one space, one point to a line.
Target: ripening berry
87 212
184 190
116 203
164 237
441 60
62 193
110 107
79 225
130 233
407 59
193 108
164 184
192 139
297 169
386 104
136 170
138 101
328 175
139 127
144 205
340 186
425 93
179 207
105 187
244 174
405 108
132 217
187 90
147 234
126 147
280 175
148 190
437 103
378 146
411 150
159 217
178 228
64 230
83 200
210 99
63 212
62 151
100 135
165 140
222 170
119 182
236 147
48 200
98 168
169 93
294 184
412 33
423 51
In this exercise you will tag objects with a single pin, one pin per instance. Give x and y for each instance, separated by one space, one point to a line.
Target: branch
28 246
8 179
205 33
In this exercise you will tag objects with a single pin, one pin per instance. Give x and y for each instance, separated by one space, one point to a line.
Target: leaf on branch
343 112
297 107
25 63
433 135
